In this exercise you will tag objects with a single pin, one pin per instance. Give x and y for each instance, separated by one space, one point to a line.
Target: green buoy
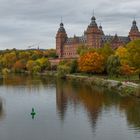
33 113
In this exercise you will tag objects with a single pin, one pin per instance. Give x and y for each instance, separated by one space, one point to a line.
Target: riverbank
123 88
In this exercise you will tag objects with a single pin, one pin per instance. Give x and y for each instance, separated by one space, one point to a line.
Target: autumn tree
126 70
122 53
43 63
133 49
91 62
19 66
24 55
50 53
9 59
30 65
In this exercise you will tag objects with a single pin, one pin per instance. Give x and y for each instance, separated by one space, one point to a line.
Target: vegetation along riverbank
117 69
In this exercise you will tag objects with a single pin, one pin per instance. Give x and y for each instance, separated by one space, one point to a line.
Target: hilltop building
93 37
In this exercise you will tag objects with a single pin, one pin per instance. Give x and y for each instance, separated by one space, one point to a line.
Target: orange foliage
91 62
19 65
127 70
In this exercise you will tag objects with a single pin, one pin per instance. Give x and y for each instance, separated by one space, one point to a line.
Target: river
64 110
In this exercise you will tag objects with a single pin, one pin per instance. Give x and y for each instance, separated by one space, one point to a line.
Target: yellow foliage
122 53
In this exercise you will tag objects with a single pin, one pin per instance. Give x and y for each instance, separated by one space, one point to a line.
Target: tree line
123 61
20 61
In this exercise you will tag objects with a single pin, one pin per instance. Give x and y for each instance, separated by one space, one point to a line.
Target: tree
30 65
43 63
63 70
91 62
133 49
127 70
50 53
113 65
73 66
19 66
9 59
105 51
122 53
24 55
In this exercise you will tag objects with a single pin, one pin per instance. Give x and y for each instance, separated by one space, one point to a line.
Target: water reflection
31 83
74 95
1 109
95 101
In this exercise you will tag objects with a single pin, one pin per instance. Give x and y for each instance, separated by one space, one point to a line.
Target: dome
61 24
100 27
93 22
134 22
93 18
61 28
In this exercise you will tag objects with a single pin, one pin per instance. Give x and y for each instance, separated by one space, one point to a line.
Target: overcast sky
28 22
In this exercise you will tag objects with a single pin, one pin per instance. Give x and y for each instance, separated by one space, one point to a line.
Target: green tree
30 65
113 65
73 66
63 70
43 63
133 49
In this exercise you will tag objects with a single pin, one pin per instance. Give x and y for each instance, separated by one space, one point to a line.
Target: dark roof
93 22
81 39
109 38
134 26
61 28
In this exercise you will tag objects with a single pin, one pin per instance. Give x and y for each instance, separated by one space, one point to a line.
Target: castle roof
79 39
134 26
61 28
93 22
109 38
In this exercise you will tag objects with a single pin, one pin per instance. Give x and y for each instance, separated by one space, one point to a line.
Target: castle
93 37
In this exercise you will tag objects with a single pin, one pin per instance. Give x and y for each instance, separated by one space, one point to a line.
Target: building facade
94 37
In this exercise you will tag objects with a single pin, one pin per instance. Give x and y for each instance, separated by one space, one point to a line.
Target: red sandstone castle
93 37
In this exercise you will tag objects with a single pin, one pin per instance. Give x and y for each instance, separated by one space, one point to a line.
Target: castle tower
101 30
61 37
93 34
134 32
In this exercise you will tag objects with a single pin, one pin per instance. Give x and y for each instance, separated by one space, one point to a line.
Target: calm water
64 111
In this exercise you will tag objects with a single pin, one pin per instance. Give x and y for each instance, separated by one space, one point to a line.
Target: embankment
123 88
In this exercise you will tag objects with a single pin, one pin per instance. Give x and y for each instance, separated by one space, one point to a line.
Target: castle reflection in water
71 94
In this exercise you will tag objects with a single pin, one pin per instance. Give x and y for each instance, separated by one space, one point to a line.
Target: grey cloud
25 22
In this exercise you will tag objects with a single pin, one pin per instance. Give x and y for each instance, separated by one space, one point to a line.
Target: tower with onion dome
134 32
61 38
94 34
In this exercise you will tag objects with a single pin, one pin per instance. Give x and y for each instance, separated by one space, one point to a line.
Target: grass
133 78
